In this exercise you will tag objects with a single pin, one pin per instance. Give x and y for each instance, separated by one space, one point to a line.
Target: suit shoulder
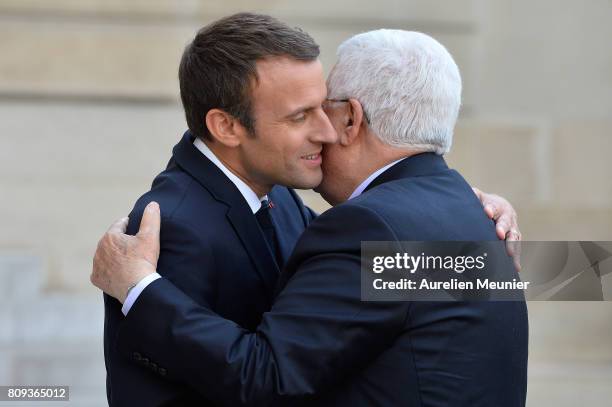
351 222
177 193
439 206
340 231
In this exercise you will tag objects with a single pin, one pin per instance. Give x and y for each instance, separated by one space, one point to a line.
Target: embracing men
254 301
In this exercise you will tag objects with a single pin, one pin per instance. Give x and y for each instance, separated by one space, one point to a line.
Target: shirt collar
249 195
371 178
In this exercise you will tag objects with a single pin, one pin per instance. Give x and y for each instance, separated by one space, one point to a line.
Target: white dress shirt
249 195
371 178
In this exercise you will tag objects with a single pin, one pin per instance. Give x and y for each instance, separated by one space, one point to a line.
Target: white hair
408 84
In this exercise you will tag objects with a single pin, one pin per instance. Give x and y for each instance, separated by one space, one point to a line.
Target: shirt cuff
136 291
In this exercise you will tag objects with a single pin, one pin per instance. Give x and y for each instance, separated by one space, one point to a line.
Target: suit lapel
239 213
288 226
254 242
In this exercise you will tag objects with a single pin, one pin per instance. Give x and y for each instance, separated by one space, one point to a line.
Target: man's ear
224 127
354 122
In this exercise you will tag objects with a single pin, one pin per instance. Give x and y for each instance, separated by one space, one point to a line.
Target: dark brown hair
217 69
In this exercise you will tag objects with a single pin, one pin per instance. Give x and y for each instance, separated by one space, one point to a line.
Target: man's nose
325 132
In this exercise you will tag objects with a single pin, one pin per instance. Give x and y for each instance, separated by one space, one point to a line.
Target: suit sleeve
308 214
182 256
317 332
180 251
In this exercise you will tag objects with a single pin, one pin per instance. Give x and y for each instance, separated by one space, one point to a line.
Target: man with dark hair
218 67
253 93
252 90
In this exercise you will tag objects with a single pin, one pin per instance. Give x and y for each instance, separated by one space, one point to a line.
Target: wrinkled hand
121 261
506 223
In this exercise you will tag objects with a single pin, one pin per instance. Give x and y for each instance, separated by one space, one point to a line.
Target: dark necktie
265 223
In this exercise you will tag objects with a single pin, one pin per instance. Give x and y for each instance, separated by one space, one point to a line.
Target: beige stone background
89 112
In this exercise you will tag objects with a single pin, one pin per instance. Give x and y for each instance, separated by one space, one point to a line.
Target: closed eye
299 118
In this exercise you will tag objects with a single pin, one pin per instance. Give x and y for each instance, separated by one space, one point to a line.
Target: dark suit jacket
213 250
321 344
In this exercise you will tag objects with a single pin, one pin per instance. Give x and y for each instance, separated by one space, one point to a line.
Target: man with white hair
394 97
407 87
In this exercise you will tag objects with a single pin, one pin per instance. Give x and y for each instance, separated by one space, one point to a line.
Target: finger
119 226
516 257
486 201
497 210
490 211
150 222
517 264
513 248
513 234
501 228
